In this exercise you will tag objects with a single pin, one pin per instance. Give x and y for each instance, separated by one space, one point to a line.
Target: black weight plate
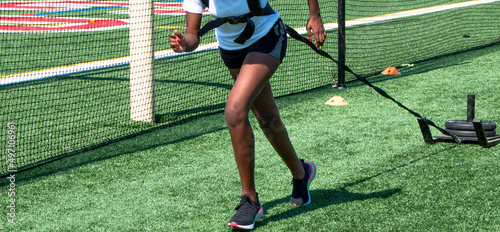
470 133
463 125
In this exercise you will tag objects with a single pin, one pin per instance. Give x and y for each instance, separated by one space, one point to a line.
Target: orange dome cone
391 71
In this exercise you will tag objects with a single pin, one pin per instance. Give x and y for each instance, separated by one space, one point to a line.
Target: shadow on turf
326 197
322 198
429 64
96 155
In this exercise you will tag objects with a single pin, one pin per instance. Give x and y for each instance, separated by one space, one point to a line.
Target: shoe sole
248 227
311 177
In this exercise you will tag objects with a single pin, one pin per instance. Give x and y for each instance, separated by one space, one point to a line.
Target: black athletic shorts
274 44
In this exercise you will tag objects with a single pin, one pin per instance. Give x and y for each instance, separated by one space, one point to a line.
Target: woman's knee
270 122
235 115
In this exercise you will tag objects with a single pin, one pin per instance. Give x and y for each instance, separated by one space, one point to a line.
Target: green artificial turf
375 173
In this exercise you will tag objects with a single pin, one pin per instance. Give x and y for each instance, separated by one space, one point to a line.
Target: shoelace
244 199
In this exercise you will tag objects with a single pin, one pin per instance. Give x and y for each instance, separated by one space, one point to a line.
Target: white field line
100 64
403 14
89 66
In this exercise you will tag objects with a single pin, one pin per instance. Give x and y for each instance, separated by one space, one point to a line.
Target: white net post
141 61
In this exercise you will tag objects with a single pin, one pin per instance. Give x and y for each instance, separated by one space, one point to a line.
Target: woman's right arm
190 41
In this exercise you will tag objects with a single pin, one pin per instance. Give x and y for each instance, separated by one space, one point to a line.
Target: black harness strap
205 2
294 34
255 10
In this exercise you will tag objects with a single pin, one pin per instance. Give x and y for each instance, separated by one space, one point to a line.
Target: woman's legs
266 112
251 90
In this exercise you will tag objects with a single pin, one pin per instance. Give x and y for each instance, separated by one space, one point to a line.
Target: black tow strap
294 34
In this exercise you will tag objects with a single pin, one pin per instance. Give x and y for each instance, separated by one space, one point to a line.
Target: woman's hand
190 40
315 27
177 42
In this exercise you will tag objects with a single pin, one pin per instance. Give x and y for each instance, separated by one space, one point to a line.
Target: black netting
64 71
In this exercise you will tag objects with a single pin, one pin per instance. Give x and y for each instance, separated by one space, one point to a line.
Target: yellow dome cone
337 101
